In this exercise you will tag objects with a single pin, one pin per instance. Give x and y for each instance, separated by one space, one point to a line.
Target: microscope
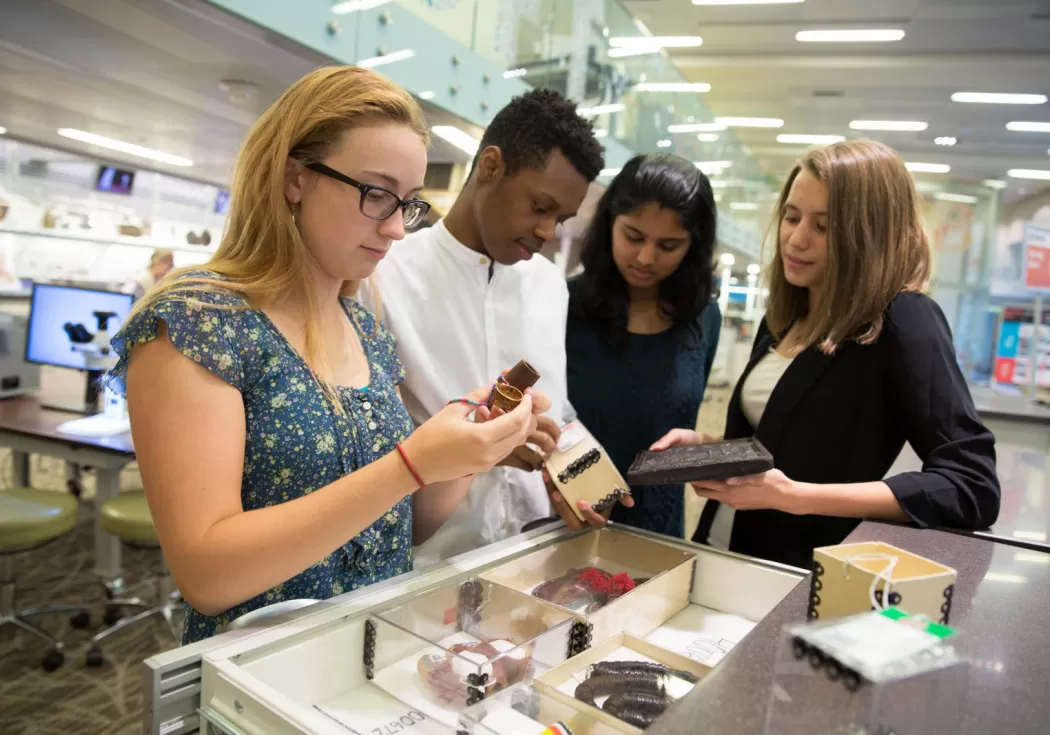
98 359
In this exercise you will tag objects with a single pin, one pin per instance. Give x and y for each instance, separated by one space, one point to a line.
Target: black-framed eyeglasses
377 202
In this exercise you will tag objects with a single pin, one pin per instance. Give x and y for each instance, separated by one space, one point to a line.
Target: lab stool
30 519
127 516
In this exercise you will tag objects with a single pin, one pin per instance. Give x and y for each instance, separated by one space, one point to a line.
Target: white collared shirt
457 329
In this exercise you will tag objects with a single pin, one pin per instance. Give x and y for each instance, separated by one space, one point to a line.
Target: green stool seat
29 517
127 517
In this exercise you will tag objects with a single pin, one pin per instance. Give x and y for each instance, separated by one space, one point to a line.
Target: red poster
1037 258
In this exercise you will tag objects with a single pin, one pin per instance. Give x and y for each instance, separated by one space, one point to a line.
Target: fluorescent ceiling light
515 73
713 167
994 184
1032 557
996 98
656 41
601 109
1028 173
744 206
428 95
719 184
945 140
946 196
120 145
750 122
696 127
459 138
602 133
1000 577
2 130
707 137
609 171
1028 127
893 125
374 61
718 197
746 2
665 143
622 51
927 168
352 6
672 87
849 36
1030 535
809 139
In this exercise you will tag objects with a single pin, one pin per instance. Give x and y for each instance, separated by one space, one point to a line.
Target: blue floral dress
295 443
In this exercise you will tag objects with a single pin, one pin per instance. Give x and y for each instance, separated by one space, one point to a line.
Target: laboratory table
27 428
1001 610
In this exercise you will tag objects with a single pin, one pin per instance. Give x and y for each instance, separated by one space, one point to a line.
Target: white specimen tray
306 676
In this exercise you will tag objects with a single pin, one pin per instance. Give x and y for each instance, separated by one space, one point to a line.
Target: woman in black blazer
850 362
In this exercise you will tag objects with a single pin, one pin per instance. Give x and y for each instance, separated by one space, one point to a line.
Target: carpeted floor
74 700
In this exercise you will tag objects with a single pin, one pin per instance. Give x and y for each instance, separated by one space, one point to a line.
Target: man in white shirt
472 295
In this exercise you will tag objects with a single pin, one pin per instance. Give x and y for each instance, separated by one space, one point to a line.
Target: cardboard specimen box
843 576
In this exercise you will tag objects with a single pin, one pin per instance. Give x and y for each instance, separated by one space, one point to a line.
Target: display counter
405 655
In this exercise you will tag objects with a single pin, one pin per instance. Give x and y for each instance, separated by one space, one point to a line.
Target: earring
295 214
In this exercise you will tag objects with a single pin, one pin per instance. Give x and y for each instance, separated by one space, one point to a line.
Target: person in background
472 295
850 361
643 328
273 444
161 263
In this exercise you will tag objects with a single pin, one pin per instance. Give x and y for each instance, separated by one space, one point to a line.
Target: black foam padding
714 461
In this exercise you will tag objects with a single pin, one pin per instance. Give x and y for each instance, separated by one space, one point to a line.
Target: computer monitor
63 316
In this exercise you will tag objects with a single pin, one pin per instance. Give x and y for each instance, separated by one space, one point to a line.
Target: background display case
311 675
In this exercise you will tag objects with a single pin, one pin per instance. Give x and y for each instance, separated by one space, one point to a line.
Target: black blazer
844 418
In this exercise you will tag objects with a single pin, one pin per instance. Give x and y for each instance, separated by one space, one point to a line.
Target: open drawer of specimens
459 644
524 710
613 582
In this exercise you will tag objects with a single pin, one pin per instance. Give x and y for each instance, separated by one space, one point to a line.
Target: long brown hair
262 256
877 246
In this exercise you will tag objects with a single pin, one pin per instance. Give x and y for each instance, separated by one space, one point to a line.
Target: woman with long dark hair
643 327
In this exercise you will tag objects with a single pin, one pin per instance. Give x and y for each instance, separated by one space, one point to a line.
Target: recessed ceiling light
664 143
892 125
3 130
719 184
373 61
707 137
1028 127
744 206
672 87
1028 173
945 140
849 36
750 122
713 167
696 127
746 2
602 133
927 168
609 171
994 183
515 73
601 109
1001 577
996 98
946 196
427 95
123 147
792 138
656 41
728 258
1032 557
459 138
352 6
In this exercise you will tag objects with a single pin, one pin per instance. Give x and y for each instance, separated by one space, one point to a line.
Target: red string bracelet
411 469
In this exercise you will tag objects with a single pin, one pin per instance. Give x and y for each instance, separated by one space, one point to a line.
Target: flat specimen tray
714 461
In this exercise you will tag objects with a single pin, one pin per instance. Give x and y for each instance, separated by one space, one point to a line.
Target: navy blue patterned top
628 399
295 442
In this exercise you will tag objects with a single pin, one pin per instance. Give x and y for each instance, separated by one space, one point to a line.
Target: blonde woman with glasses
851 361
278 459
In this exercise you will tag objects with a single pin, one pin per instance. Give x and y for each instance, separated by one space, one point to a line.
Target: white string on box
886 574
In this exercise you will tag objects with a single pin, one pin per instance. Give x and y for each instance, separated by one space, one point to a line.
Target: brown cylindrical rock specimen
522 376
505 396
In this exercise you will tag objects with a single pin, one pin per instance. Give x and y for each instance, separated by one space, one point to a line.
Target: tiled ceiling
756 68
148 72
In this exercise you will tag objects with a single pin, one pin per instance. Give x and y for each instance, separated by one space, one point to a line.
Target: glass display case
445 654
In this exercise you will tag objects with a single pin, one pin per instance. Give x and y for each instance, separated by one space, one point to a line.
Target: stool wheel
94 657
53 660
81 620
74 488
112 615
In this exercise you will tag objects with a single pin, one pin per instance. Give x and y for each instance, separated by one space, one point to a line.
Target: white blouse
754 396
